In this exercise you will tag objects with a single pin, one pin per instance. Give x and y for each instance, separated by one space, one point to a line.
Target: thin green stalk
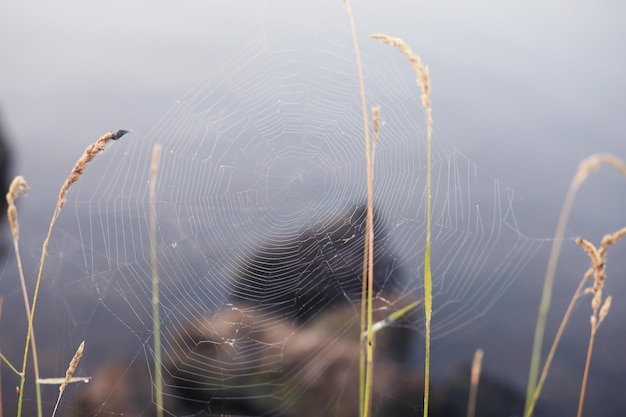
423 81
363 327
366 398
11 367
428 285
555 343
156 321
79 168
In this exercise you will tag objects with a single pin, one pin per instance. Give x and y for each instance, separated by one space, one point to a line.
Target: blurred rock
248 363
120 388
300 276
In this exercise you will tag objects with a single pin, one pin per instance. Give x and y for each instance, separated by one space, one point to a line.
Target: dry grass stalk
585 168
423 81
89 155
79 168
599 309
376 123
376 134
423 76
475 376
68 374
19 185
72 367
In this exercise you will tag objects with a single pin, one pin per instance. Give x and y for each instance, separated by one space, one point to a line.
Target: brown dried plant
535 385
68 374
599 308
474 378
77 171
19 185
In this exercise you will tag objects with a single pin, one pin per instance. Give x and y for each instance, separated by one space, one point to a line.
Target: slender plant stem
475 376
546 296
586 167
19 184
369 237
9 364
156 321
555 343
68 375
423 81
428 281
583 388
79 168
363 340
29 333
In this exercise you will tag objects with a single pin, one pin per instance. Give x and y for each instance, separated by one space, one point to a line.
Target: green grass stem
10 365
423 81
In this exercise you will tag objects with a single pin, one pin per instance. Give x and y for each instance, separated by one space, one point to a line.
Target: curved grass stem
585 168
79 168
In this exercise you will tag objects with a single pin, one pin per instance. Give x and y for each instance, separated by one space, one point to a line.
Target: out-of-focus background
525 90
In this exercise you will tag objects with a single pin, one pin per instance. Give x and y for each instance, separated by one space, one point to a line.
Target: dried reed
598 270
79 168
475 376
19 185
156 321
423 81
585 168
68 374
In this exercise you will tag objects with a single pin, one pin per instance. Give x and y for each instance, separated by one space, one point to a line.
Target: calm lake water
522 93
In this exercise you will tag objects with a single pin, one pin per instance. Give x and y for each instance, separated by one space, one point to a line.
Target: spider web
260 220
